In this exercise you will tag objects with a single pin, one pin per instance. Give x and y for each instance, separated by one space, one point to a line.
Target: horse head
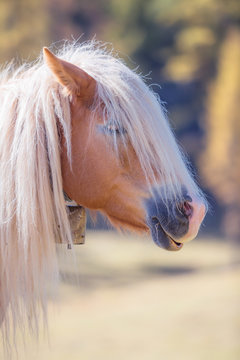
124 159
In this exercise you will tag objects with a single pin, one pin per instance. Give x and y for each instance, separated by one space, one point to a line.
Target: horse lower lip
162 239
173 245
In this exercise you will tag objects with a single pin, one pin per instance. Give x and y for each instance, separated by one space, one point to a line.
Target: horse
81 122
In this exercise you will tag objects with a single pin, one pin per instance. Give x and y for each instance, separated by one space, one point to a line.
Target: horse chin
161 238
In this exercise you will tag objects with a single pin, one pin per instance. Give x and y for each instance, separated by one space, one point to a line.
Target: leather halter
77 219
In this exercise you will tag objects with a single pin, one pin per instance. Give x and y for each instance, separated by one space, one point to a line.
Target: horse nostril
187 209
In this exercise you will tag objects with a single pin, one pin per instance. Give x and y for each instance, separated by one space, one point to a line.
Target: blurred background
134 301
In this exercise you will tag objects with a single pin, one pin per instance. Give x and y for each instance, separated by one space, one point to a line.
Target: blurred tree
220 162
78 20
23 28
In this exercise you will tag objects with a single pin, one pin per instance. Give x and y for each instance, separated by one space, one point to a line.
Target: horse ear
76 81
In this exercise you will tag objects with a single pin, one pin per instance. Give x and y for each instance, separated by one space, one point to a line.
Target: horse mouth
161 238
172 244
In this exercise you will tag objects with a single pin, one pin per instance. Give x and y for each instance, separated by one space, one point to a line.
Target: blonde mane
32 208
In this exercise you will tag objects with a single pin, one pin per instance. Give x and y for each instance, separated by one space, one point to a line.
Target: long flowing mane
32 208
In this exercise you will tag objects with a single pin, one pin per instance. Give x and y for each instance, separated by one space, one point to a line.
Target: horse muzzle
173 223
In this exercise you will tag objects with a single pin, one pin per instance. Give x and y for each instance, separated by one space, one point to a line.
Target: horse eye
114 129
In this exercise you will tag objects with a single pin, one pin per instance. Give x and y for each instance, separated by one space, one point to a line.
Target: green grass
135 301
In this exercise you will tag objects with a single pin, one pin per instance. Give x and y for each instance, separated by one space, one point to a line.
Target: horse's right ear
76 81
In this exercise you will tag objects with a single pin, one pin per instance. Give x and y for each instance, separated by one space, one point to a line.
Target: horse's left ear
76 81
